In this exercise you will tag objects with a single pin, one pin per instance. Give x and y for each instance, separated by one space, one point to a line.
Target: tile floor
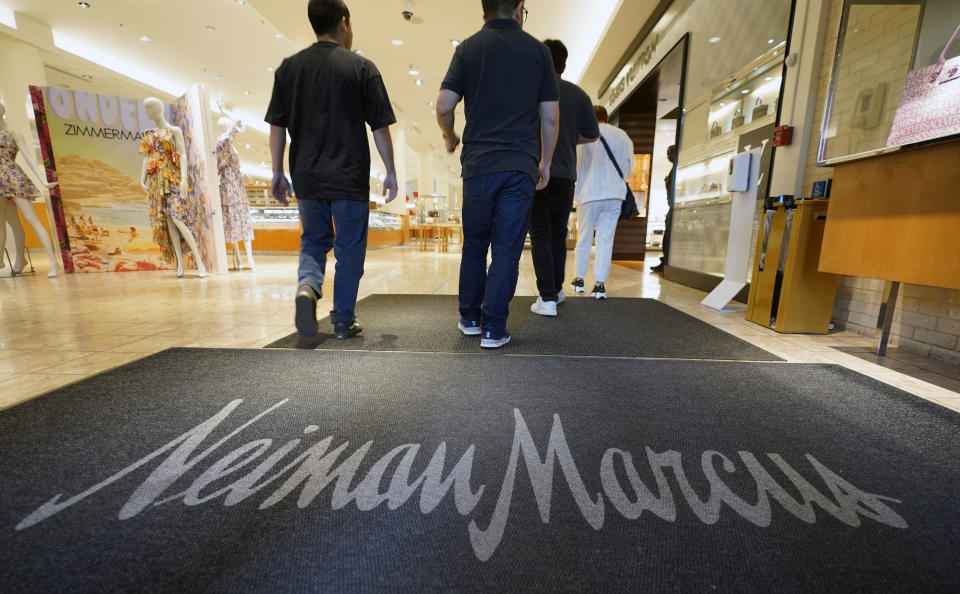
57 331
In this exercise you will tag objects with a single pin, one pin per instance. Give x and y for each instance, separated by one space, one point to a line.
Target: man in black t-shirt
506 77
323 96
551 207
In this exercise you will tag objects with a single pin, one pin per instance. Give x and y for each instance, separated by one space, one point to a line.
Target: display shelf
747 100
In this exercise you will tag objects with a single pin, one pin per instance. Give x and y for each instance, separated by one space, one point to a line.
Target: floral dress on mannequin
163 186
237 224
14 183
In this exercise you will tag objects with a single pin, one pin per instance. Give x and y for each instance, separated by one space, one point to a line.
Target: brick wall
927 319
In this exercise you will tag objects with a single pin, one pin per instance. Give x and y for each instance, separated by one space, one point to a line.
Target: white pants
600 216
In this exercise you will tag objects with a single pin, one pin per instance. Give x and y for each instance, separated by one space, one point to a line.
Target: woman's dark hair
559 53
601 112
325 15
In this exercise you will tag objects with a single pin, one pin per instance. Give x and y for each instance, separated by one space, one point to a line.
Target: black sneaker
494 340
599 291
578 285
347 330
306 311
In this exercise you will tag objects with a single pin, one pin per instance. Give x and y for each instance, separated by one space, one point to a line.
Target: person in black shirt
551 206
323 96
506 77
670 182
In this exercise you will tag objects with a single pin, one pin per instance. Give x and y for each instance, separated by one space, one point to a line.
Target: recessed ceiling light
714 39
397 42
247 93
722 104
768 78
247 146
430 104
358 52
770 41
83 4
145 38
419 83
269 68
414 72
217 76
279 35
241 2
211 28
454 42
745 91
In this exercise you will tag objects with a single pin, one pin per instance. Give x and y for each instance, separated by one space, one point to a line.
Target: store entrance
651 117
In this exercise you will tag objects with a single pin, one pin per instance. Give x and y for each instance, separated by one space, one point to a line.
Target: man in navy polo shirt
507 80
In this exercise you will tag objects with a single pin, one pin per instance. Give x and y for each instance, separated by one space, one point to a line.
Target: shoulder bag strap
612 158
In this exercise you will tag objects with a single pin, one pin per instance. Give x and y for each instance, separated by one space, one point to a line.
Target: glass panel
875 54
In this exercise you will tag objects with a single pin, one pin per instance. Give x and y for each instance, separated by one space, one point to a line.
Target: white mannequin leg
3 231
19 239
192 244
249 247
175 240
30 214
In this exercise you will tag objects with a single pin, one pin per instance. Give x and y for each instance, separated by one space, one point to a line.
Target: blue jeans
349 245
496 215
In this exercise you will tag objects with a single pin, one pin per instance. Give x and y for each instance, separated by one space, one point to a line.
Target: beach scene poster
92 141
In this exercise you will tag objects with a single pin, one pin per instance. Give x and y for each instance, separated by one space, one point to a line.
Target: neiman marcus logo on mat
258 467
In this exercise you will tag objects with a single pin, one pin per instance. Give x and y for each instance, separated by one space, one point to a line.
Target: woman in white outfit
600 193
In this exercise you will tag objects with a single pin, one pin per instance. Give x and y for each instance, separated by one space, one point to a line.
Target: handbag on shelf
738 119
929 107
628 209
715 130
760 109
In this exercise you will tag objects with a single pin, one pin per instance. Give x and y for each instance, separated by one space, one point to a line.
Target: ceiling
232 45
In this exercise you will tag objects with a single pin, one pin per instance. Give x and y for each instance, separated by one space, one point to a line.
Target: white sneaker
544 308
561 297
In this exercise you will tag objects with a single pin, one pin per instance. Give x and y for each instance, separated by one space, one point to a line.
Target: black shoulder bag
629 208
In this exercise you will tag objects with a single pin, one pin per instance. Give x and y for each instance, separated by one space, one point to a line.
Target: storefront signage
637 67
201 468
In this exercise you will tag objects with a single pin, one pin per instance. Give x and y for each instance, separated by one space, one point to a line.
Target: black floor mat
584 327
280 470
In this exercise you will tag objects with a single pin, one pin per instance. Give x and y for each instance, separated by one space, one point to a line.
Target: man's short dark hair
325 15
499 8
601 112
559 53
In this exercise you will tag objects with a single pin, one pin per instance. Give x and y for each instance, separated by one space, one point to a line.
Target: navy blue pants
496 215
349 245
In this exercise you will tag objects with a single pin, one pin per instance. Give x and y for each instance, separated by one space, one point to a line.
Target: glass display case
748 100
275 217
739 112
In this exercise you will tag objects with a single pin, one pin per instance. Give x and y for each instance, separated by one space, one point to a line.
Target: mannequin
237 224
164 178
17 192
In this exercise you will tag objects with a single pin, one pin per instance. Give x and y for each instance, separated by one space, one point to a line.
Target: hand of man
544 176
390 187
280 188
452 142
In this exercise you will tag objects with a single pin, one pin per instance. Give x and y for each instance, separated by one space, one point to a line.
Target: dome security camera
407 11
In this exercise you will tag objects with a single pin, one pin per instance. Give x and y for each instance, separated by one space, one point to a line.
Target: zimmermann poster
92 142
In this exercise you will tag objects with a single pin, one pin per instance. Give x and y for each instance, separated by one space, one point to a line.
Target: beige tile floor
57 331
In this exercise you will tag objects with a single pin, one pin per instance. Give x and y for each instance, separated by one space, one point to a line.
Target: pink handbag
930 105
